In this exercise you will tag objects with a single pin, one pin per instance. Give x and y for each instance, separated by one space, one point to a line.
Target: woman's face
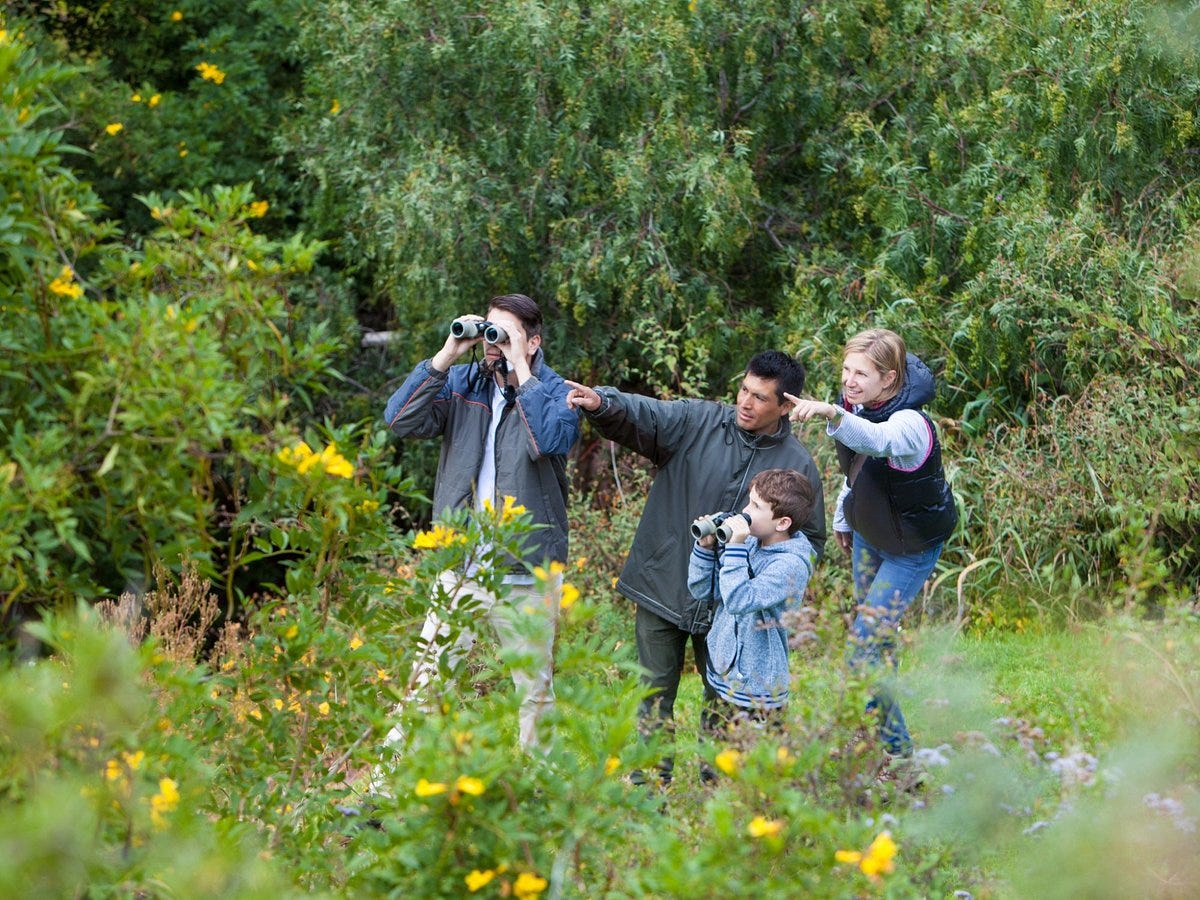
862 383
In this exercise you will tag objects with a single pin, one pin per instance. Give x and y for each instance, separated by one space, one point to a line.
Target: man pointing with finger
706 454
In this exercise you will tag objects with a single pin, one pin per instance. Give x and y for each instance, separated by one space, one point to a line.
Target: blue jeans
884 585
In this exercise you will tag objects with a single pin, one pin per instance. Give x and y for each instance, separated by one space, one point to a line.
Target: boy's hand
709 541
739 529
845 540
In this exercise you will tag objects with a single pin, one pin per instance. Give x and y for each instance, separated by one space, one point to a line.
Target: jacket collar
749 438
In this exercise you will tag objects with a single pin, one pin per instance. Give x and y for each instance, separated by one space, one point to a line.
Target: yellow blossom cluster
152 102
303 458
209 72
464 784
65 285
164 801
760 826
508 512
257 209
570 593
727 761
878 859
115 770
113 128
437 537
526 886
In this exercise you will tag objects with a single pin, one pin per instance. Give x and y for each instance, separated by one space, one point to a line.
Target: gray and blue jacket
535 433
747 645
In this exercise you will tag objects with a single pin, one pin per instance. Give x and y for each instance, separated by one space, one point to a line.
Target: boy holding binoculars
754 565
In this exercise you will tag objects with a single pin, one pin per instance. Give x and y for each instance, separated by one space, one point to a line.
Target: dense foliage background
206 204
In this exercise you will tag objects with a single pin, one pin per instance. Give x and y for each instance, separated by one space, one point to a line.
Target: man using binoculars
706 454
506 430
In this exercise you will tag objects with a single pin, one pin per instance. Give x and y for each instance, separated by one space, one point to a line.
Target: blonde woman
895 510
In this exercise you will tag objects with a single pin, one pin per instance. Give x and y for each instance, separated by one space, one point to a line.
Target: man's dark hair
787 371
523 308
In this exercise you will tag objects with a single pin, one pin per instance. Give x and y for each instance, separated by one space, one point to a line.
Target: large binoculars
716 524
469 330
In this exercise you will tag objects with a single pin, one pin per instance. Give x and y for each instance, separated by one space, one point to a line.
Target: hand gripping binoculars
491 334
716 524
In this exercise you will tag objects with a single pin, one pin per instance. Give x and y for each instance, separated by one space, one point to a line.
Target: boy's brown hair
787 492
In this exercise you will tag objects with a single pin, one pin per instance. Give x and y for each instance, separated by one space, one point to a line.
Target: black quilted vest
897 511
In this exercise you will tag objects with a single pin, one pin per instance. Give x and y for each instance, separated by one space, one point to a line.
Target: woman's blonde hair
886 351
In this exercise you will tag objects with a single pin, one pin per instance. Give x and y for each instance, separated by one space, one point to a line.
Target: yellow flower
570 594
292 632
429 788
462 738
112 770
581 562
436 537
164 801
177 16
136 98
763 827
468 785
64 285
258 209
528 886
211 73
355 642
335 108
278 703
134 760
878 859
383 674
336 464
611 765
727 761
782 755
541 573
113 127
476 879
323 708
154 100
294 456
511 510
368 506
880 856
